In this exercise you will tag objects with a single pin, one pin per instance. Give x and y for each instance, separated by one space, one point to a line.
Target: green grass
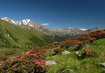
70 64
65 63
12 36
9 51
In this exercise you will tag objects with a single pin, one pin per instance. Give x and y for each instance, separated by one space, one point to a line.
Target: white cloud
45 24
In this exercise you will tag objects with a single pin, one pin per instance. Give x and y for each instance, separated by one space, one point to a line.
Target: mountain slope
65 33
14 36
89 58
28 24
56 34
70 64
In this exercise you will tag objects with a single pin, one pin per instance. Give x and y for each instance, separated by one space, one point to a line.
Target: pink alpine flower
36 63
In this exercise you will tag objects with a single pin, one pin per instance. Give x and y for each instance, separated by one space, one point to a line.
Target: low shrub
86 53
30 62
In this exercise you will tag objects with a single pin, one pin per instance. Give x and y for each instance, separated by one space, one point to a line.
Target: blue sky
57 13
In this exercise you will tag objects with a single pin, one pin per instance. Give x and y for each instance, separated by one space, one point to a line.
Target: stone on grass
49 63
102 64
65 52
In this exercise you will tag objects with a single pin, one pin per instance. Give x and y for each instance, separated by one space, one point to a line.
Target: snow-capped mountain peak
9 20
5 18
26 21
30 24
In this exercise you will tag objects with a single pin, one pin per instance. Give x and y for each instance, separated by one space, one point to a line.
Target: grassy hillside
86 55
12 36
71 64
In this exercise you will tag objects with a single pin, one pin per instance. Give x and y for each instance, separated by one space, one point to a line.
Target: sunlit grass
70 64
9 51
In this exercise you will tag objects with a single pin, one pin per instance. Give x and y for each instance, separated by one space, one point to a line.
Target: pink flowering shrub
86 53
33 61
89 53
30 62
75 42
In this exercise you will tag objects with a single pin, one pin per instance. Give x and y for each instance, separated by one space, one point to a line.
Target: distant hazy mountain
95 29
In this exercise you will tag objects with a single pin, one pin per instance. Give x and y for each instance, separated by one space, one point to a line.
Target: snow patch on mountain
83 29
23 22
9 20
26 21
5 18
30 24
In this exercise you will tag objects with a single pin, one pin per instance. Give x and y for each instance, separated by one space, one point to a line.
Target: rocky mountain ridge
56 34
